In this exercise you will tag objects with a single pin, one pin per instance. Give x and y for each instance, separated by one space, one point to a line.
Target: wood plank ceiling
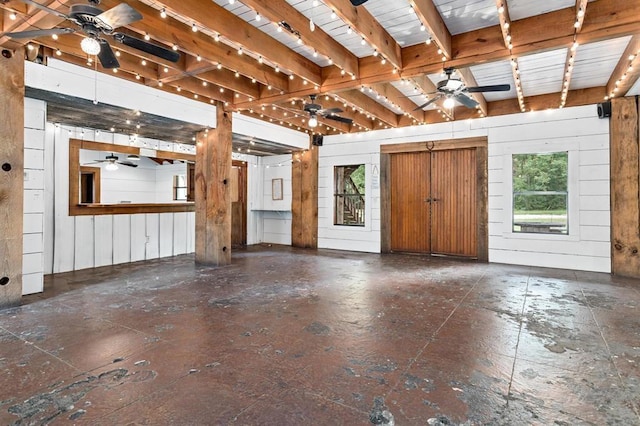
377 62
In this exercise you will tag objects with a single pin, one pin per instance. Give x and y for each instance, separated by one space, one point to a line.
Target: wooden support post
213 192
625 175
11 175
304 205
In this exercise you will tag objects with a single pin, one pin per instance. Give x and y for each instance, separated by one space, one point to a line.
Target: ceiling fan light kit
453 89
90 46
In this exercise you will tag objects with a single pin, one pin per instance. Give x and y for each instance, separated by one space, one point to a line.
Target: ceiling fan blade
127 163
329 111
338 118
106 56
40 33
119 16
466 100
147 47
358 2
45 8
429 102
493 88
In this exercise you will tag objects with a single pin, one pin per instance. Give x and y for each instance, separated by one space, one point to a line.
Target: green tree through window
349 195
540 190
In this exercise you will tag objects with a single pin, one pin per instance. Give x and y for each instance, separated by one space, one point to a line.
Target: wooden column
213 192
304 205
11 176
625 184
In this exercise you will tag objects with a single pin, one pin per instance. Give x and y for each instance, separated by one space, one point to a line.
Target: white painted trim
573 189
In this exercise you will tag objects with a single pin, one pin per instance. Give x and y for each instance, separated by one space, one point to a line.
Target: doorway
434 198
238 204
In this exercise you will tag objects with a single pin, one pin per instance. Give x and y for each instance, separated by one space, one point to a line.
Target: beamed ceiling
378 62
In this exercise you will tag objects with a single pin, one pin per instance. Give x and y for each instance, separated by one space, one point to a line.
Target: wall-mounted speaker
604 109
316 140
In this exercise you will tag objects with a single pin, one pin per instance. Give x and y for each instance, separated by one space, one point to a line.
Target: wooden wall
625 186
11 177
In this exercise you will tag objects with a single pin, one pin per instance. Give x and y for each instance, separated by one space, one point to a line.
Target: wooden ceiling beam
398 98
545 32
356 97
323 43
193 85
362 22
69 44
432 20
548 101
353 112
553 30
32 19
219 20
228 80
470 81
296 112
581 8
169 31
627 71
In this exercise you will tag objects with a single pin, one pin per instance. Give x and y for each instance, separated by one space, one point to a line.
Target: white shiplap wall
79 242
34 184
575 129
272 217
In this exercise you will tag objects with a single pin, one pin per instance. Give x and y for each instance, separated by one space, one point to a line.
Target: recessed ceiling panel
462 16
400 21
594 62
520 9
542 73
333 26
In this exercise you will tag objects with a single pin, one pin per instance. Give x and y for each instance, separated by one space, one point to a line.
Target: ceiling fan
453 89
96 23
112 161
316 110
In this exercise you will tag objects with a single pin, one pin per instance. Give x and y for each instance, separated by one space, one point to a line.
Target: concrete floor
290 337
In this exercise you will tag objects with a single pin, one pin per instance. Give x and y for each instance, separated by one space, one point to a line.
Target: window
180 187
348 195
540 195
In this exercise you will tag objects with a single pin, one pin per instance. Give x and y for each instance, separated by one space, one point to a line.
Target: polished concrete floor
293 337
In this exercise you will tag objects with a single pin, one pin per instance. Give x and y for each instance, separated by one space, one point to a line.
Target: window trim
329 206
335 196
573 189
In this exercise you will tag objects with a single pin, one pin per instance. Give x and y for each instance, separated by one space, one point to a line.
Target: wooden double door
434 202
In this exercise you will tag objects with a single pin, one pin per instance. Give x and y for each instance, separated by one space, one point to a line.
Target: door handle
429 200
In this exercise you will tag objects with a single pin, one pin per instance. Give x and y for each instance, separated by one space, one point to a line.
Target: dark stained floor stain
288 336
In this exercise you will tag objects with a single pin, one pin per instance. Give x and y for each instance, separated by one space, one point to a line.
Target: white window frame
331 165
573 190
